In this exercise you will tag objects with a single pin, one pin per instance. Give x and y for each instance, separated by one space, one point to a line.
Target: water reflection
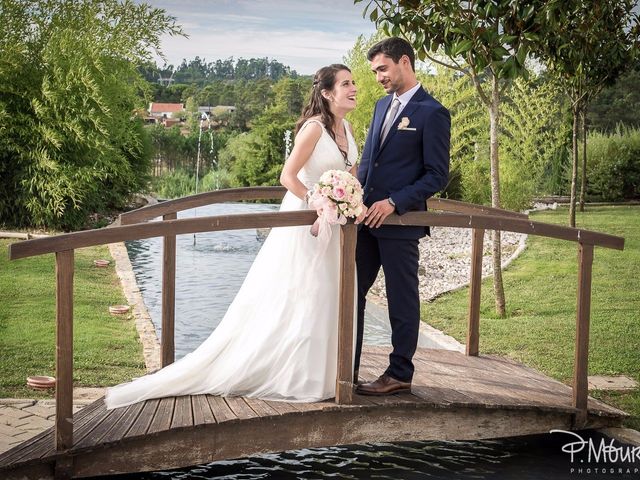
208 273
524 458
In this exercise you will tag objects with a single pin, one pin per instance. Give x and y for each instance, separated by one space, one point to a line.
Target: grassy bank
540 289
106 347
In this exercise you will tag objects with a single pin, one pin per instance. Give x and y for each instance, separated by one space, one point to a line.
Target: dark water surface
209 273
537 457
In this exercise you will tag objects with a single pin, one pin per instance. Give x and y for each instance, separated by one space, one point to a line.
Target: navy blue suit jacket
410 165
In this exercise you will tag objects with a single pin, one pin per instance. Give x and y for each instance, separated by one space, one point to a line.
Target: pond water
210 271
533 457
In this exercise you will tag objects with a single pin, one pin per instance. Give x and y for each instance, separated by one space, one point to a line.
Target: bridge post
475 283
168 296
64 360
580 382
344 380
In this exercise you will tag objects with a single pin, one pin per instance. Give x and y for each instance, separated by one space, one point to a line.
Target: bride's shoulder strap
348 126
312 120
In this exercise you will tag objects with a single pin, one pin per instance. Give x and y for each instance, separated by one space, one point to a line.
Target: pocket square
404 124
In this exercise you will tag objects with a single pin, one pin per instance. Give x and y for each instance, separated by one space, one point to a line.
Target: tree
617 104
69 142
534 133
593 42
256 157
251 99
486 40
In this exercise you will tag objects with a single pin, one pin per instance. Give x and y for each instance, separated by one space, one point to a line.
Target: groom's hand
378 212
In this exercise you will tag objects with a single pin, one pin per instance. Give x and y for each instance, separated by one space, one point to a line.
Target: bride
279 338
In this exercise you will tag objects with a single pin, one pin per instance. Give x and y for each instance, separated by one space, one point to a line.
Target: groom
404 162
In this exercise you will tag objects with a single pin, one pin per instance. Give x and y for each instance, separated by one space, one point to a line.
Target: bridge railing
453 214
168 210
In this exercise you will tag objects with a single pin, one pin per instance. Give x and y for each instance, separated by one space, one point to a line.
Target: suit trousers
399 261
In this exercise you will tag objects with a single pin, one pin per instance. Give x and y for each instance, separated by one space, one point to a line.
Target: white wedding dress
278 340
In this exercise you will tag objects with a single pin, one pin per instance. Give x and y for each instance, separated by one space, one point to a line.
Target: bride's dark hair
324 79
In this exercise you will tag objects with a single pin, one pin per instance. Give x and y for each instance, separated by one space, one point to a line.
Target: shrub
69 143
613 164
475 180
180 183
535 132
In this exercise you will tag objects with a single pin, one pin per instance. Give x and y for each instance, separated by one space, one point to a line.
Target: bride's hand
362 216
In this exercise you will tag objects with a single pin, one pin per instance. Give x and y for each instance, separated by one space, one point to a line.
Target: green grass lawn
540 288
106 348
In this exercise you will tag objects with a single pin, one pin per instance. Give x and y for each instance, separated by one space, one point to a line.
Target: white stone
607 382
445 261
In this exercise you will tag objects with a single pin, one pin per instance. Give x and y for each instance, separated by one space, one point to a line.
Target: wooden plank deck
454 396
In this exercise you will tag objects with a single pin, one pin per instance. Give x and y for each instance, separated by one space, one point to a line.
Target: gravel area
445 261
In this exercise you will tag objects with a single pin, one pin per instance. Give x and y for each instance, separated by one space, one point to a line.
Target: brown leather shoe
384 385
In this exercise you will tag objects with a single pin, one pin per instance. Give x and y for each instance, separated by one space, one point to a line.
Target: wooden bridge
454 395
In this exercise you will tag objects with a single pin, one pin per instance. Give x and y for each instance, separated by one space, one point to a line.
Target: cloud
305 51
303 35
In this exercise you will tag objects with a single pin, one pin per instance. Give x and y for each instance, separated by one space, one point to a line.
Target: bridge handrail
176 205
457 214
87 238
456 206
276 193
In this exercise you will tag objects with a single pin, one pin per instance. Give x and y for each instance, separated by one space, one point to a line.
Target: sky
303 34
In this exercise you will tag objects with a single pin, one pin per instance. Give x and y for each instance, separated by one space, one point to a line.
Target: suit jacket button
375 164
371 189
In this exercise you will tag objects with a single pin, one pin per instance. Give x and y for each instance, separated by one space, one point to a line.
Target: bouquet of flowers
336 196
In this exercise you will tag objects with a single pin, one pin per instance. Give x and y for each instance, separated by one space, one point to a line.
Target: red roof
166 107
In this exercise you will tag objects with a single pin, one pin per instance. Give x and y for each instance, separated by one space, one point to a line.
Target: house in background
170 122
162 111
170 114
217 110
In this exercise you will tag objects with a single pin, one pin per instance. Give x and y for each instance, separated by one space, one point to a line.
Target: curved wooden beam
199 200
456 206
88 238
276 193
71 241
507 224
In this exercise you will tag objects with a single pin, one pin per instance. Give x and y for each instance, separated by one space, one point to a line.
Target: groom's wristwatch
391 202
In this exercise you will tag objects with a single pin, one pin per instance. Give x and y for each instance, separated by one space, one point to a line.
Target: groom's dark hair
393 48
